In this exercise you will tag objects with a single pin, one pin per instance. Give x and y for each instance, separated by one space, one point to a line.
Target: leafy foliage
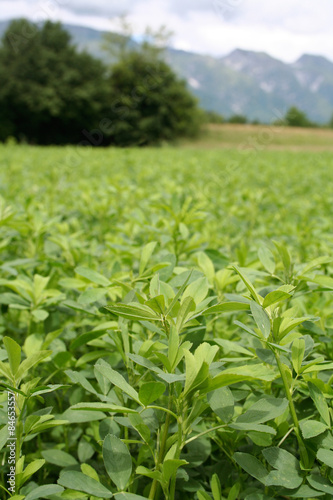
167 344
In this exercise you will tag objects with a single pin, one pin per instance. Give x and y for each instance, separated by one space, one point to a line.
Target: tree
150 104
237 119
49 93
297 118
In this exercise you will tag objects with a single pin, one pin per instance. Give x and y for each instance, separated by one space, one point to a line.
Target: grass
263 137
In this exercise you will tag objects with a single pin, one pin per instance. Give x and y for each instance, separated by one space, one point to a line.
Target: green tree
237 119
150 104
297 118
49 93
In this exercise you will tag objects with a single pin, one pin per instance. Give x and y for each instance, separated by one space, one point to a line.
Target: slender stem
302 449
162 446
205 432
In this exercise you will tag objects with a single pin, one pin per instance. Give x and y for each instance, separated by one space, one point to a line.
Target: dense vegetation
52 94
166 323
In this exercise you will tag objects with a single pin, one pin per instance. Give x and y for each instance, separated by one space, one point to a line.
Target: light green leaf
14 353
226 307
150 391
117 380
297 354
248 284
134 311
117 461
267 259
91 295
198 290
170 467
216 487
319 400
146 253
261 318
92 276
40 314
274 297
31 361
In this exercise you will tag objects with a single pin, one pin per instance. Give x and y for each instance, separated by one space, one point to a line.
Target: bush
149 103
237 119
49 92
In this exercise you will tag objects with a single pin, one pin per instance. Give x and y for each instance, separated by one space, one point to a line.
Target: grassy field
263 137
166 320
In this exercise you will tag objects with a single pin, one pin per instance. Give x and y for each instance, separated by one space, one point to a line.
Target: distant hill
243 82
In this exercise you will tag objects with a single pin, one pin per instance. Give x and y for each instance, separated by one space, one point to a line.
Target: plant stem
302 449
162 447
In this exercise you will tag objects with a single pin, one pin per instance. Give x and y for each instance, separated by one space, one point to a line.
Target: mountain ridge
246 82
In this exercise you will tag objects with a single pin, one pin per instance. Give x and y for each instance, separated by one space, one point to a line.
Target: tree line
50 93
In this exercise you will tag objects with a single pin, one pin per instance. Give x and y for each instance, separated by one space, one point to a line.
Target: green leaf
59 457
139 425
116 379
198 290
92 276
185 310
261 318
75 480
267 408
133 311
244 426
146 253
232 347
14 353
108 407
31 361
44 491
40 314
91 295
222 403
216 487
325 456
240 374
248 284
297 354
251 465
30 470
320 483
267 259
287 473
312 428
304 491
226 307
90 471
274 297
117 461
206 265
150 391
128 496
319 400
170 467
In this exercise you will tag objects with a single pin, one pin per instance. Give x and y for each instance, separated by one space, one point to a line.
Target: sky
285 29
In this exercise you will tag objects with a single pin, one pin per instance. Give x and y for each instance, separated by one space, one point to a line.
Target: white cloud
284 28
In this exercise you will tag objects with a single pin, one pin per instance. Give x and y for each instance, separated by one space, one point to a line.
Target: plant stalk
302 449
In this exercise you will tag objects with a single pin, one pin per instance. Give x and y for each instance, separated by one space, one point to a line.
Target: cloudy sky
285 29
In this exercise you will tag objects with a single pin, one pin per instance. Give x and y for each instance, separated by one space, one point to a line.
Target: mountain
244 82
